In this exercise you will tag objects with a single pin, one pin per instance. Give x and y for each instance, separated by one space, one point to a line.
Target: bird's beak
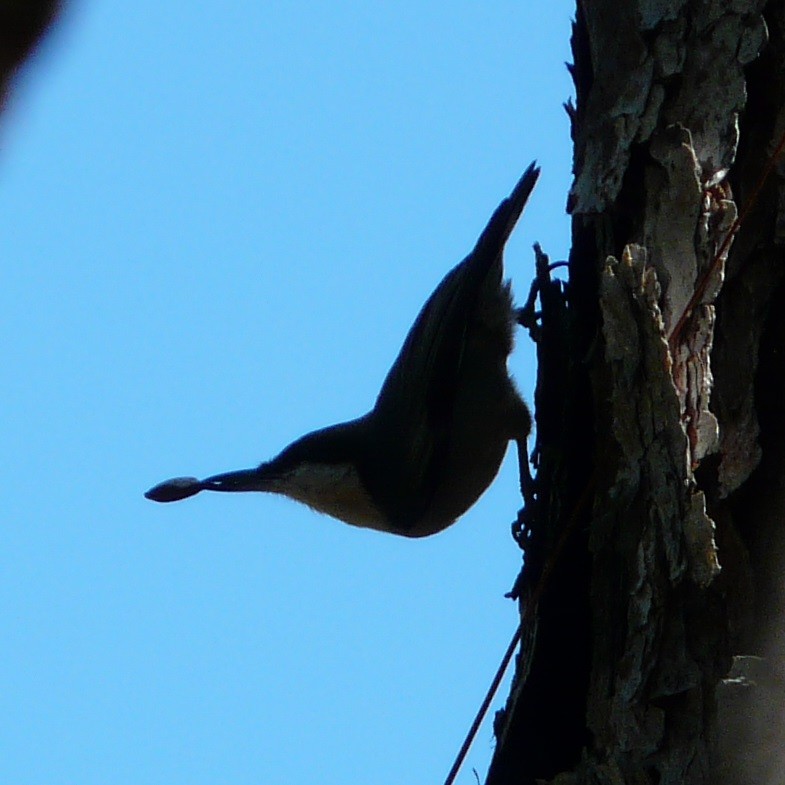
183 487
242 480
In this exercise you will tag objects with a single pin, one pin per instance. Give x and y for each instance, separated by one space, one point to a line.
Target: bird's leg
527 315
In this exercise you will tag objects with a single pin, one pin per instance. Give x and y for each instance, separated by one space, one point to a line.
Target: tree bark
659 646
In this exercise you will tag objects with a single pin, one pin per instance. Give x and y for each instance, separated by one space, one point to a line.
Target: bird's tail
494 237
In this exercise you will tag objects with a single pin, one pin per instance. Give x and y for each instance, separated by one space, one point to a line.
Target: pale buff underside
334 489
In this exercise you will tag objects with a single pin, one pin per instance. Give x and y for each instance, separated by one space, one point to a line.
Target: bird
439 429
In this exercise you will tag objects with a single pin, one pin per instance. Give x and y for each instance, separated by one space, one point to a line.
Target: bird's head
320 470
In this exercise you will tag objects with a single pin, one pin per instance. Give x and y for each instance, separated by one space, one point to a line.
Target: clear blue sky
218 221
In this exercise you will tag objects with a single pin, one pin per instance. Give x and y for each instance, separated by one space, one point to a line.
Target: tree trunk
661 439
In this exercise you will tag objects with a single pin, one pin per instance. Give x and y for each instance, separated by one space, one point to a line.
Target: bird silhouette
437 434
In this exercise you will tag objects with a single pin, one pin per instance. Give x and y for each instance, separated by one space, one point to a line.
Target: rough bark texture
660 636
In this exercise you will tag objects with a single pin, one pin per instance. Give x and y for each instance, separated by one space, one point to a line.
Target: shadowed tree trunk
659 646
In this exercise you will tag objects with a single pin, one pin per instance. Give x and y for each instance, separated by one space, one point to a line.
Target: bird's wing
419 392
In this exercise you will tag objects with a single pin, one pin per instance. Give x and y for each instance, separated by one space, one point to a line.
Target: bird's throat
334 489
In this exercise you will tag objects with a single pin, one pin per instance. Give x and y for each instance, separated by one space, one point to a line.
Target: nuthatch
436 436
